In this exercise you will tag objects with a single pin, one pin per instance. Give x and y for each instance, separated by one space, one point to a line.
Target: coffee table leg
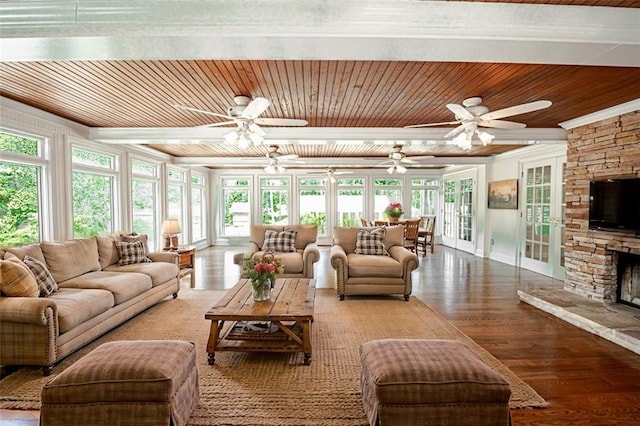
213 341
306 341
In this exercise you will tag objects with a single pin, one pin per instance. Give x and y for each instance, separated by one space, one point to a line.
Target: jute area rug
272 388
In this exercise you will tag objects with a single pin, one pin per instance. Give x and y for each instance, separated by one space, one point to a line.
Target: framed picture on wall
503 194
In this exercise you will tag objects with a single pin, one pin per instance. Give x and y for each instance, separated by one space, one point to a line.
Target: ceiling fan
275 159
245 114
472 114
331 173
397 157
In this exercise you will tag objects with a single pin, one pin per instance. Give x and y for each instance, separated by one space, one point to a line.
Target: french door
543 217
459 213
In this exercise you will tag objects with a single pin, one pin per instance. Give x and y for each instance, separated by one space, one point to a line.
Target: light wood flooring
586 379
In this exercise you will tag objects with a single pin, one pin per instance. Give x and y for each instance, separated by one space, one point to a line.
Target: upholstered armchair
297 254
385 273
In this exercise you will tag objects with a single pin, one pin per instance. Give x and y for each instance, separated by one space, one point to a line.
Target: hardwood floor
586 379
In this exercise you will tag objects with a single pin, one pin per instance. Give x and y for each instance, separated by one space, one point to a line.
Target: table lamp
171 227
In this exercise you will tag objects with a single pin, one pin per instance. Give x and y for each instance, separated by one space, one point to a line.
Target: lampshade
171 226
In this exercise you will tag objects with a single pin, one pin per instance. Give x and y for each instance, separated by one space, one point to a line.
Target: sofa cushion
292 262
46 283
160 272
370 241
76 306
16 280
283 241
32 250
107 251
394 236
363 265
305 235
124 286
71 258
131 253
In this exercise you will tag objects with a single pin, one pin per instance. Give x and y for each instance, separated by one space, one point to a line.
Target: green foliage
92 195
19 222
315 218
232 197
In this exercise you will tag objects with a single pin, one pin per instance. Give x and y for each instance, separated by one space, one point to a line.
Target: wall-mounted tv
614 205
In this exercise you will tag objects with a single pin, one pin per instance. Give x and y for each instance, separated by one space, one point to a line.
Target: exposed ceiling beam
191 135
332 29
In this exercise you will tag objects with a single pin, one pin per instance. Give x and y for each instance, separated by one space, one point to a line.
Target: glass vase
261 289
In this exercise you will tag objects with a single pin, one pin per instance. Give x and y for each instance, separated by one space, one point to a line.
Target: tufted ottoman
135 382
434 382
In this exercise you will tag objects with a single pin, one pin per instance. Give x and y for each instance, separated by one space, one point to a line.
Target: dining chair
411 227
425 233
366 222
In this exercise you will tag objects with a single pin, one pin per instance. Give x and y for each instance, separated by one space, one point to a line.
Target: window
350 201
274 196
22 170
236 193
424 197
144 199
198 211
312 202
385 192
93 186
449 219
176 189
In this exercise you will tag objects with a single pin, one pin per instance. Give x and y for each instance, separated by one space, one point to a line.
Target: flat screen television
614 205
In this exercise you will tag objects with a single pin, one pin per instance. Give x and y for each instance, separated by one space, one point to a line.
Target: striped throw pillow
46 283
371 241
284 241
131 253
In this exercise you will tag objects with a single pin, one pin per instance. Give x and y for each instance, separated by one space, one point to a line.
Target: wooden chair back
411 228
425 234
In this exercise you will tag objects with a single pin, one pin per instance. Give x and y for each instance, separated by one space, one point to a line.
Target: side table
187 257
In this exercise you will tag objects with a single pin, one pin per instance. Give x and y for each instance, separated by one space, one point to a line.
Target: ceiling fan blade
280 122
224 123
287 157
502 124
408 160
461 128
346 172
256 129
460 111
255 108
444 123
515 110
201 111
417 158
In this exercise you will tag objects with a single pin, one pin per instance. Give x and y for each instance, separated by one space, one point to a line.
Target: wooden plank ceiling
326 93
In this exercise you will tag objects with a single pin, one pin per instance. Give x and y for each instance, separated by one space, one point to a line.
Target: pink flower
258 267
271 267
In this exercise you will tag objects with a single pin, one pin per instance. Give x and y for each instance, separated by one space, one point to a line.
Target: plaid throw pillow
371 241
46 283
131 253
284 241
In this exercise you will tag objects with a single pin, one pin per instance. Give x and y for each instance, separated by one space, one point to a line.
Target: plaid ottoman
135 382
434 382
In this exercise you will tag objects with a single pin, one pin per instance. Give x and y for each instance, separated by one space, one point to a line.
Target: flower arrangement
258 269
394 209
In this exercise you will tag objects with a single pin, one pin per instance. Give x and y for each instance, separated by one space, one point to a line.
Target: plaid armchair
294 245
358 272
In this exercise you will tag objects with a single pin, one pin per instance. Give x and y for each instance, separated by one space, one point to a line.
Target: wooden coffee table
281 324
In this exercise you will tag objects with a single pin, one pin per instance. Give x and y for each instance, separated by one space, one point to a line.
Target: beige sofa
372 274
298 263
95 295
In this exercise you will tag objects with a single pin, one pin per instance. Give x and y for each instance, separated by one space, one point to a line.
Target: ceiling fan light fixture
485 137
231 137
256 138
463 140
243 142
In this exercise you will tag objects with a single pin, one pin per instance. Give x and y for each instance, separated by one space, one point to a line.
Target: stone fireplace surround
606 149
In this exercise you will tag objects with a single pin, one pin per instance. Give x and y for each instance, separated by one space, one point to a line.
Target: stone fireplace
628 289
606 149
